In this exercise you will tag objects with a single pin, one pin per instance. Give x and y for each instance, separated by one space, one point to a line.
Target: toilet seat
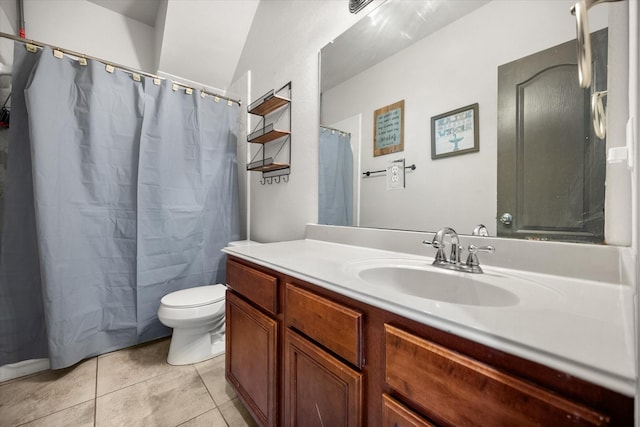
194 297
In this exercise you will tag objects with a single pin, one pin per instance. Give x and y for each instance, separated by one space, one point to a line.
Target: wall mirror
438 56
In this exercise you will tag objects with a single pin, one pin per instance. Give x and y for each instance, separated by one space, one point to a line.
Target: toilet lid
194 297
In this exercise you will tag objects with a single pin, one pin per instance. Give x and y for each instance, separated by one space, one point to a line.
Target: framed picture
455 132
388 129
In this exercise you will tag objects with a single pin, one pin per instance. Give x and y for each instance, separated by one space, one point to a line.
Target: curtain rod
335 130
122 67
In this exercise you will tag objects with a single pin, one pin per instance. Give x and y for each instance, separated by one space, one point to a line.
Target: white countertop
581 327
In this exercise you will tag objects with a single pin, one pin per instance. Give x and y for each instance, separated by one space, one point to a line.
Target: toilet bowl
197 316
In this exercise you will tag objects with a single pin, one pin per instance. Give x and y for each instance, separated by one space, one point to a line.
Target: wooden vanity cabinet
253 329
323 342
319 389
346 363
460 391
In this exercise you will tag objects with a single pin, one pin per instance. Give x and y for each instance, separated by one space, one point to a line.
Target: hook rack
274 177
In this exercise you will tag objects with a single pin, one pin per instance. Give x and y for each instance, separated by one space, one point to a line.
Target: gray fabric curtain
182 194
85 126
123 210
22 327
335 178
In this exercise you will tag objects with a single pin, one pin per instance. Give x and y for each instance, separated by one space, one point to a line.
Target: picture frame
388 129
455 132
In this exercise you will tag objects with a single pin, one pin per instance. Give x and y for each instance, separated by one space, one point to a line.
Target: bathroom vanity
310 342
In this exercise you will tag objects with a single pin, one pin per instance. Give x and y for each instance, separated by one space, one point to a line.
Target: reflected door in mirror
551 165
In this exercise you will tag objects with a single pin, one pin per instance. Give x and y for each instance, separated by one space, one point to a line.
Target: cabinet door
251 359
319 389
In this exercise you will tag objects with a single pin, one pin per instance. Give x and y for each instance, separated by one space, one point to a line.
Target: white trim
20 369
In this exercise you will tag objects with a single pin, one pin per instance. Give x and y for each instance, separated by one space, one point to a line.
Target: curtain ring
598 114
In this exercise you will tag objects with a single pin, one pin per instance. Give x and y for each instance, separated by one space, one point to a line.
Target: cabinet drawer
456 390
394 414
259 287
332 325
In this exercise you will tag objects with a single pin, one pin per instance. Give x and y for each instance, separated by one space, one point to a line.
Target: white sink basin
420 279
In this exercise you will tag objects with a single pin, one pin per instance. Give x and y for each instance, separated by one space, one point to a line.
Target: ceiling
190 30
144 11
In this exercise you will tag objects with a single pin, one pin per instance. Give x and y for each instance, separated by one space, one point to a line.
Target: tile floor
130 387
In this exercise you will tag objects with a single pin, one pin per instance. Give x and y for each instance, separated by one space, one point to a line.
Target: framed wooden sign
388 129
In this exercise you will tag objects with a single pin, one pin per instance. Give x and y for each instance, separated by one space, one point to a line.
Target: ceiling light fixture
356 6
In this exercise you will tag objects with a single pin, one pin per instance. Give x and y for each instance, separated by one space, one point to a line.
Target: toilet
197 316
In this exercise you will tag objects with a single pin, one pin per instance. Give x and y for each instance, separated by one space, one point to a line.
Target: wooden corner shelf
268 103
266 165
267 134
271 167
264 159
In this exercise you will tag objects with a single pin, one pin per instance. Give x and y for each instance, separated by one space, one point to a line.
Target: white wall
447 70
282 46
241 89
88 28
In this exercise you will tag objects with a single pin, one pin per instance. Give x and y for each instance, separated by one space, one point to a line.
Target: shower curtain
335 182
133 194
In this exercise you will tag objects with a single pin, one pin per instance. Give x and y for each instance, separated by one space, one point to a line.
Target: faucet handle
472 259
440 256
473 249
434 243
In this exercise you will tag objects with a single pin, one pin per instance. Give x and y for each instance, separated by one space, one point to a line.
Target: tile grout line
143 381
156 375
205 385
215 404
36 374
51 413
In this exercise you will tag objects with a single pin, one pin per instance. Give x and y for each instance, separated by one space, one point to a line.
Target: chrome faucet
472 264
438 243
